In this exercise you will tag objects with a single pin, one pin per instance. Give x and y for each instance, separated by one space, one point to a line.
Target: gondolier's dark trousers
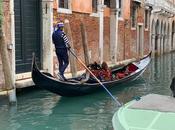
63 59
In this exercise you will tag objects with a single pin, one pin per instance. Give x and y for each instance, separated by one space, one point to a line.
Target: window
63 4
146 19
120 8
107 3
133 16
94 6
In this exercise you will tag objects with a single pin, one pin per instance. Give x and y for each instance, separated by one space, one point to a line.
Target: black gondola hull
69 89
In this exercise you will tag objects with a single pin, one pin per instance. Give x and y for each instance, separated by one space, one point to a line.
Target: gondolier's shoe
61 77
64 79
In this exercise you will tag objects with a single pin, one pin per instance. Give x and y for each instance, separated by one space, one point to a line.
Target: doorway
27 34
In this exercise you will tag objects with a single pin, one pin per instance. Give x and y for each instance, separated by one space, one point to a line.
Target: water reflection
42 110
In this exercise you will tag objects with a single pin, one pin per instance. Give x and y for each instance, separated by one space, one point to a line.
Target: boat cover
151 112
155 102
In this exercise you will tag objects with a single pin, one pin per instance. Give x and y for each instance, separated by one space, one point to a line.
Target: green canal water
38 109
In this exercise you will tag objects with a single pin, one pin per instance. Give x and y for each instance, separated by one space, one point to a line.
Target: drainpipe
101 29
12 93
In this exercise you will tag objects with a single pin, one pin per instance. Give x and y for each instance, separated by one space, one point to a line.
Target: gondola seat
120 75
131 68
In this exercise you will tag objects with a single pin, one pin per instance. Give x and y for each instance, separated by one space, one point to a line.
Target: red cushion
132 68
120 75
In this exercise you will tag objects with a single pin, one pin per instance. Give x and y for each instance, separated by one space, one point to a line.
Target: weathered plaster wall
107 12
126 9
106 39
7 34
82 6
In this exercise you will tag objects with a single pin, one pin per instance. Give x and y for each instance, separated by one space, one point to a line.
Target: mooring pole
85 44
9 84
73 65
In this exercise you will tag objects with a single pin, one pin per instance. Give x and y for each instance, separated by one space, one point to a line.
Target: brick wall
127 37
92 29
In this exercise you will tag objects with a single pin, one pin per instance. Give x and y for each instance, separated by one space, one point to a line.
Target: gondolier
61 43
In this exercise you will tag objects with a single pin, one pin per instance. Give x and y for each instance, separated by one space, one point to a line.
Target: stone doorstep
23 83
24 80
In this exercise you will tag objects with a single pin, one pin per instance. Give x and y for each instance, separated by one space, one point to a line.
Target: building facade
162 37
116 30
27 27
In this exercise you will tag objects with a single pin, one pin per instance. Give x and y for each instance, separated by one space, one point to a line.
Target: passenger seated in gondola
126 71
95 69
105 73
94 66
102 72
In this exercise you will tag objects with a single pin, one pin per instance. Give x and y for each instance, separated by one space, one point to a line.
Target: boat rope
115 99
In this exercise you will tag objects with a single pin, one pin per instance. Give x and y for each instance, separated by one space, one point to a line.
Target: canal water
38 109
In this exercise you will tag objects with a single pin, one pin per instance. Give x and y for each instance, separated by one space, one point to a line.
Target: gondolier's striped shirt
66 41
60 40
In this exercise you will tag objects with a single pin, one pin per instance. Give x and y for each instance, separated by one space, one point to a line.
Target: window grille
133 16
94 6
146 19
120 8
63 4
107 3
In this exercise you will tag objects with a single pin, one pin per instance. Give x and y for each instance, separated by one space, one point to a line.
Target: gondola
73 86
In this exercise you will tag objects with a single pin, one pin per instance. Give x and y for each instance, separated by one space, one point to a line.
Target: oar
118 103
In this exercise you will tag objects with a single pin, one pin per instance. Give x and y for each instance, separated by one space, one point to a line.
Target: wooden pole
73 65
85 44
9 84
